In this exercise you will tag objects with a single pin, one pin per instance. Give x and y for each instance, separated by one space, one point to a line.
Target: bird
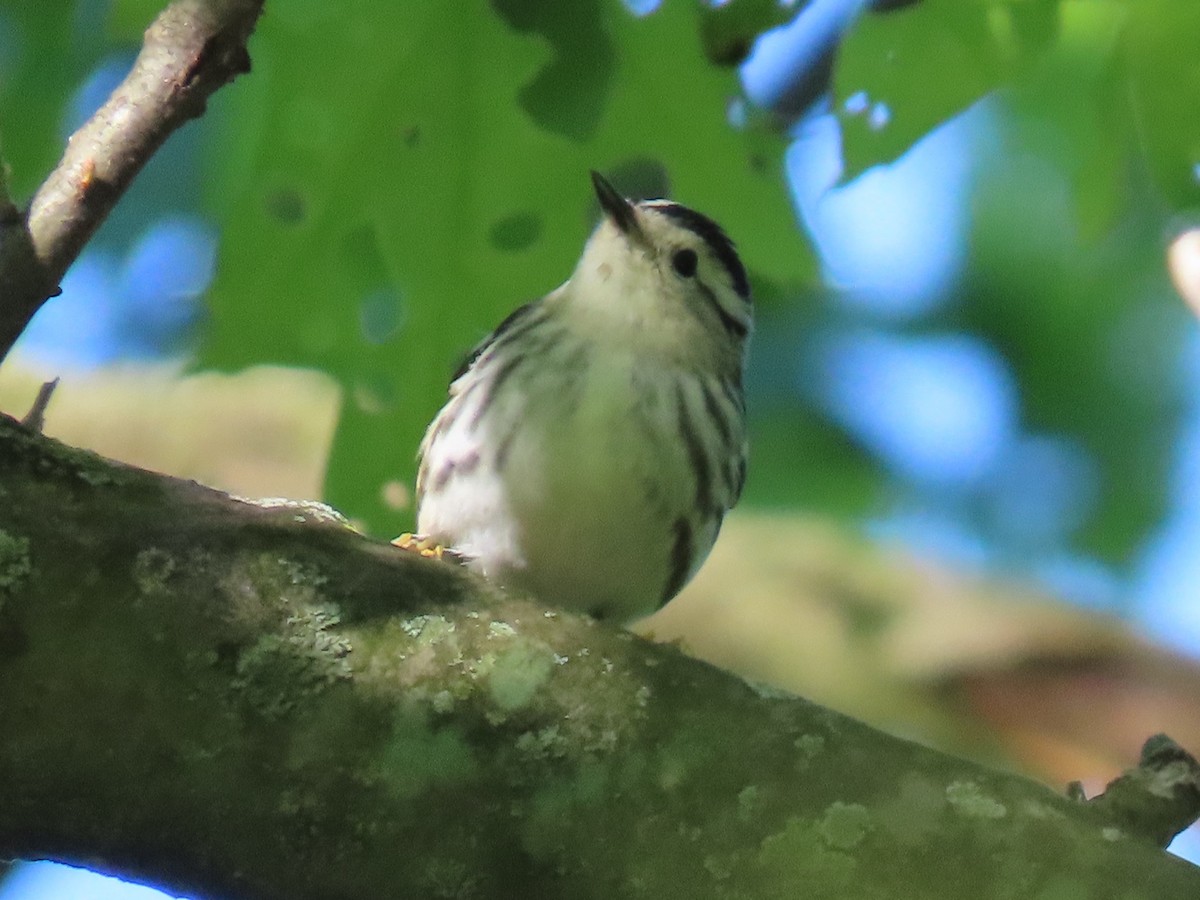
592 444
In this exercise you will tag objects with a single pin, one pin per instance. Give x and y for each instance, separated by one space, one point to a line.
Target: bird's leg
427 547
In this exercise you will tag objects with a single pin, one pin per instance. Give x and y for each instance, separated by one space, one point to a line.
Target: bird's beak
616 207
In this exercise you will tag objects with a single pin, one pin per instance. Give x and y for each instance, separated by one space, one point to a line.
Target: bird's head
660 266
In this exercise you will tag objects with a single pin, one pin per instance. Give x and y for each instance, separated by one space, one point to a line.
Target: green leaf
728 30
424 165
1162 74
43 58
567 96
1071 109
925 63
127 19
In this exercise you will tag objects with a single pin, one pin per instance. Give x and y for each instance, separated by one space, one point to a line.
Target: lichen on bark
236 700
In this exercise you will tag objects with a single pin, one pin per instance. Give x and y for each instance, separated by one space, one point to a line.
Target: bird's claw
427 547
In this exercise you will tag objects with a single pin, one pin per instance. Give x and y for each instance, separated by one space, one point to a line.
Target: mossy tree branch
243 701
246 701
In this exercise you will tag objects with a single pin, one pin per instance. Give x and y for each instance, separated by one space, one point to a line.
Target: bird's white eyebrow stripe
714 237
732 325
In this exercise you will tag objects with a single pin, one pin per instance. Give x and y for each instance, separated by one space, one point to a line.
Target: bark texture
238 700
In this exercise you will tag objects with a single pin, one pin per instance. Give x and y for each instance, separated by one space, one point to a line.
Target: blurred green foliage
44 55
1073 293
393 178
1119 77
924 63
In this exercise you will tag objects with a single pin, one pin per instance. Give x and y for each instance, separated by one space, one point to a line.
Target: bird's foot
427 547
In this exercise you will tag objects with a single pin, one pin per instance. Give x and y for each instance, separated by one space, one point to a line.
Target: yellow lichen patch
263 589
799 853
914 813
15 565
152 570
810 746
417 757
280 669
844 825
518 673
499 662
969 799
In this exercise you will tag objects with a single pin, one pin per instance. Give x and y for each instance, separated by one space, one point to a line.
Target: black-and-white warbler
593 443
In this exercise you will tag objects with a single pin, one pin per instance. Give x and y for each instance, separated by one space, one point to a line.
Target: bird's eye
684 262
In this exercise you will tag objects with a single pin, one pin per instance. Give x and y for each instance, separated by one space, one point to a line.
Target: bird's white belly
595 485
579 508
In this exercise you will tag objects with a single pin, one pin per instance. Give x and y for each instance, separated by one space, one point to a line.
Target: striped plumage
593 443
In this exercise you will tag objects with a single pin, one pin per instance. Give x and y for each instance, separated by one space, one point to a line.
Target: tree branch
193 48
1159 798
247 701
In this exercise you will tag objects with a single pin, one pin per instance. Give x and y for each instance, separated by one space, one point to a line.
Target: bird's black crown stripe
715 237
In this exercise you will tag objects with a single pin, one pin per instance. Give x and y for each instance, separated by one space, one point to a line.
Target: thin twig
35 419
191 50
